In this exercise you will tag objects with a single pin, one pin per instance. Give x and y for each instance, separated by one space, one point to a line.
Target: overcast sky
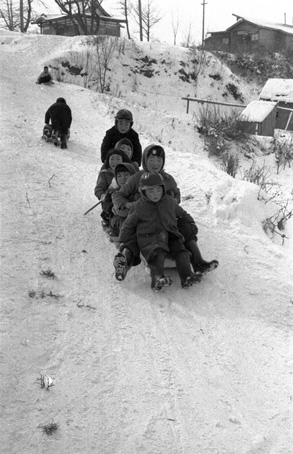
218 14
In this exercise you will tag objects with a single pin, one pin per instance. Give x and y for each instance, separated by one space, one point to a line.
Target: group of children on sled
142 208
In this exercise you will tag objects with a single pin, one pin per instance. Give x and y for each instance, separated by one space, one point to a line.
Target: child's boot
200 265
159 282
122 263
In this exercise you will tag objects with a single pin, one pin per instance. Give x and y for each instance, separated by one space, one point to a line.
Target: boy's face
155 193
123 126
114 160
122 178
127 150
154 164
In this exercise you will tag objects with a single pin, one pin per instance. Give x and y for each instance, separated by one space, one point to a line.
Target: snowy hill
205 370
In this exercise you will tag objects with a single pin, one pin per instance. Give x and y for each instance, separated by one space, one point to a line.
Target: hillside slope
200 371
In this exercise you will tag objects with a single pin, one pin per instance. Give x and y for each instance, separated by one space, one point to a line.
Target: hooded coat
152 223
131 189
106 174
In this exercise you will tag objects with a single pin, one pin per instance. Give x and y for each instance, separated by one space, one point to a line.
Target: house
248 35
258 118
65 25
281 91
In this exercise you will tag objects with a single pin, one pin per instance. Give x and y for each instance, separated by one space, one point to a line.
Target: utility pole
203 21
140 20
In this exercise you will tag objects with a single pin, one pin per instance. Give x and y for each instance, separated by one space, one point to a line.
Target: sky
218 15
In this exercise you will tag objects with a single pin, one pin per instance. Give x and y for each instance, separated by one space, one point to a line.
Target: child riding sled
153 219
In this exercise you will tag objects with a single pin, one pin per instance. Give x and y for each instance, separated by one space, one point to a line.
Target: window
254 37
226 41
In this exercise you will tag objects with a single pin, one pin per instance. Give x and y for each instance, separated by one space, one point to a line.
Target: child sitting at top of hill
122 173
153 219
105 177
153 160
122 130
126 146
45 77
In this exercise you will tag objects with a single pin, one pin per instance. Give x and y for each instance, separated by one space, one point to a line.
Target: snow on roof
277 90
263 23
257 111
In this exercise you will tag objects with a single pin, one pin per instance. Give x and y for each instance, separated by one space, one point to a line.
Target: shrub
283 153
230 163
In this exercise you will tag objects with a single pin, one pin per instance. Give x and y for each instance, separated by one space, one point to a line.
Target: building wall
247 37
283 116
65 27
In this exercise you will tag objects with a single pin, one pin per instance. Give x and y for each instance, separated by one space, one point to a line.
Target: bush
230 164
283 153
213 121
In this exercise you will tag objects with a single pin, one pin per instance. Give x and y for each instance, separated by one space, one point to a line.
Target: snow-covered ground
200 371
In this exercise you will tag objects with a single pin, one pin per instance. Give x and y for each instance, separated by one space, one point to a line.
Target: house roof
284 28
277 90
257 111
263 24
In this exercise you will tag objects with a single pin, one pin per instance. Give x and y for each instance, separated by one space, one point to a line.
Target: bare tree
125 7
147 17
79 11
188 39
175 26
16 16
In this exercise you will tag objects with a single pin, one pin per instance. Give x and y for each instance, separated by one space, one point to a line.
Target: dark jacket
60 115
113 136
152 223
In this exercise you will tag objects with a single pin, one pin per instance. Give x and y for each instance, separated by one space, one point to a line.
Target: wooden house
249 35
280 91
258 118
65 25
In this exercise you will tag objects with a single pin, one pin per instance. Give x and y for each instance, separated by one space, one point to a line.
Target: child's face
127 150
155 193
154 164
114 160
122 178
123 126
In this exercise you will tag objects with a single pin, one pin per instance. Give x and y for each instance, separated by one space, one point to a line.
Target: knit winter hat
124 114
124 142
61 100
121 153
150 179
153 150
125 167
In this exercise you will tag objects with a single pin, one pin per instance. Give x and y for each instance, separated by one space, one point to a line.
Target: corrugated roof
257 111
278 90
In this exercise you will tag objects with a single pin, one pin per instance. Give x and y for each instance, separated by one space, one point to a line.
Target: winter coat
104 180
44 78
130 191
113 136
152 222
60 116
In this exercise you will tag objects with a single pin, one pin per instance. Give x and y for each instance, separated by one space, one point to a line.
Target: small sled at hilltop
52 136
